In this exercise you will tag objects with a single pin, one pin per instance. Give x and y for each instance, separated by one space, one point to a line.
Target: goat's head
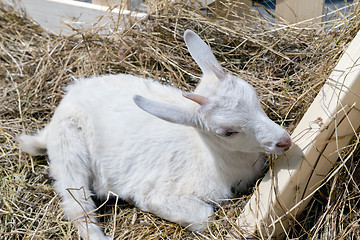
228 108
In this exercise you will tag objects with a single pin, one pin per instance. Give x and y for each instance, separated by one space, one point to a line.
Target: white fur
99 140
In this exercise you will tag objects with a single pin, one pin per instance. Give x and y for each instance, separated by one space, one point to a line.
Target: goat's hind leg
69 166
188 211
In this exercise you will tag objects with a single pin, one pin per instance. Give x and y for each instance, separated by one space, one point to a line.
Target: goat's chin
276 150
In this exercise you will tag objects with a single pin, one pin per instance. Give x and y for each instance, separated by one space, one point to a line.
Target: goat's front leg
188 211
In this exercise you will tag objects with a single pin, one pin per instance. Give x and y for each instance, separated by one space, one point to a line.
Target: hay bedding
286 65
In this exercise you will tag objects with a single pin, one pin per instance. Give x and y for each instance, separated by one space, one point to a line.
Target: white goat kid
105 137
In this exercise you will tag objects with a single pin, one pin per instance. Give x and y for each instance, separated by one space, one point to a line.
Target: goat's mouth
282 150
281 146
277 149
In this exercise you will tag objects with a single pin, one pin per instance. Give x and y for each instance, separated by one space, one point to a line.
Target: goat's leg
188 211
69 164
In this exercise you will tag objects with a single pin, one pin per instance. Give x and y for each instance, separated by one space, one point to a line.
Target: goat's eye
229 133
224 132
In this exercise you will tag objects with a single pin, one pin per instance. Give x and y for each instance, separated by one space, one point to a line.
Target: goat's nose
285 143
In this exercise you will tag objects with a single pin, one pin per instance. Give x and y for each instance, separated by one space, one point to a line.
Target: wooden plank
294 11
207 2
319 138
53 15
122 4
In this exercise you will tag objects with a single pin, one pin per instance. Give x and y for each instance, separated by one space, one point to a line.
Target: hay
287 66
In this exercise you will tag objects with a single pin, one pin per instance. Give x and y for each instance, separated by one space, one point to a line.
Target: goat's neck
228 163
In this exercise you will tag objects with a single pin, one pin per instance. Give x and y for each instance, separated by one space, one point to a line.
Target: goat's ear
202 54
166 111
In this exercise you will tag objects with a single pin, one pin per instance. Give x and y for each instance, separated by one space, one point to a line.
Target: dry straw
286 64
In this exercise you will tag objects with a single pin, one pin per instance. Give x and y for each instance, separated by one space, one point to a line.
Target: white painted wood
293 11
207 2
55 15
323 132
113 3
